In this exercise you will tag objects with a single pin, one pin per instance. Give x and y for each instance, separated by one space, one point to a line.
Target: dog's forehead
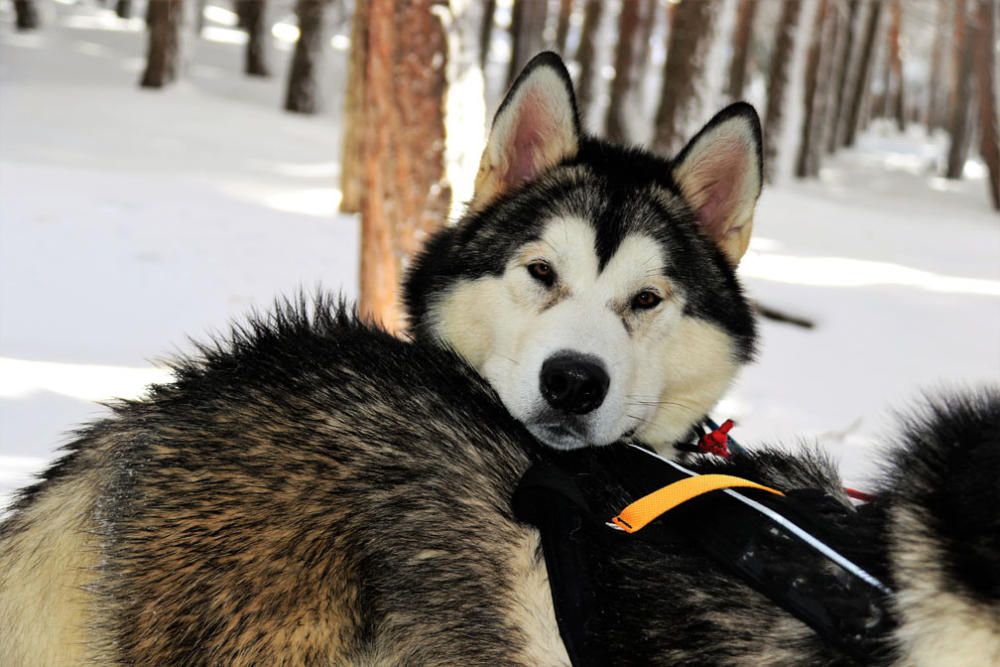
571 242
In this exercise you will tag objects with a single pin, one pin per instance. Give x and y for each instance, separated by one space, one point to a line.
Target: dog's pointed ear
536 127
720 173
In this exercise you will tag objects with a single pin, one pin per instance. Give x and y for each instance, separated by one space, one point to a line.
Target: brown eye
645 300
542 272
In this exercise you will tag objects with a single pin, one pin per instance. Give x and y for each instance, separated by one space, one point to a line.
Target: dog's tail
943 505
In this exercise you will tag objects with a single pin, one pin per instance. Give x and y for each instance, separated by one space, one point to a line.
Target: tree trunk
252 15
199 17
863 73
932 115
405 196
616 127
26 13
163 18
986 66
897 105
691 30
646 25
741 48
486 31
562 27
586 56
302 95
352 161
807 162
527 25
843 75
958 125
123 8
777 83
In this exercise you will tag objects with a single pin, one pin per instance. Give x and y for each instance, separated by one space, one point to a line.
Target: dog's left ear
535 128
720 173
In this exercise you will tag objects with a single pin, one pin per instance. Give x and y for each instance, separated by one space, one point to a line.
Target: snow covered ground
132 219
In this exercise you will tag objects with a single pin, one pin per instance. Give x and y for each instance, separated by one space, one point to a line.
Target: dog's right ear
535 128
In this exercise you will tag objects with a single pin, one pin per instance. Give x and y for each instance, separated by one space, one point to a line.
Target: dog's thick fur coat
316 492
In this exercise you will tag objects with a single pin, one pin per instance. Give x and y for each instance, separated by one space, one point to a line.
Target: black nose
574 383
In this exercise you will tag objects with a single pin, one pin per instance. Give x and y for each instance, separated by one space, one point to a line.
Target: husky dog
313 491
317 492
593 285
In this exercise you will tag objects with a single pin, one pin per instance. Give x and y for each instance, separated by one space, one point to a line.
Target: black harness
777 545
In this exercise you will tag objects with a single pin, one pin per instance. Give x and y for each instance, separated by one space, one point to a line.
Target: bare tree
932 116
691 30
562 27
405 195
163 18
986 67
302 95
777 82
819 60
896 102
863 73
959 111
742 33
586 55
123 8
26 14
643 46
628 24
352 162
486 30
527 25
252 16
843 75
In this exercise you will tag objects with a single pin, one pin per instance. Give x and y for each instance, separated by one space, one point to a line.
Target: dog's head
593 285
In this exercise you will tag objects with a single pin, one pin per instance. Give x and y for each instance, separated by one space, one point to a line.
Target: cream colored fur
932 614
45 569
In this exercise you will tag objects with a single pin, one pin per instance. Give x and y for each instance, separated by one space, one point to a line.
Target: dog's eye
542 272
645 300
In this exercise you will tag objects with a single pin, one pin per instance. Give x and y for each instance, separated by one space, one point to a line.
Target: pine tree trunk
863 73
932 115
586 56
897 105
616 127
253 15
986 66
302 95
486 31
199 16
846 57
806 164
691 31
562 27
352 162
643 51
527 25
26 14
777 82
123 8
741 48
163 18
958 125
405 195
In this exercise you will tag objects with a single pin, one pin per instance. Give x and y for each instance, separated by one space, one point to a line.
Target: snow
131 219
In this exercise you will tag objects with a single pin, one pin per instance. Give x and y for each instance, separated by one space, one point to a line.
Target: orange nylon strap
650 507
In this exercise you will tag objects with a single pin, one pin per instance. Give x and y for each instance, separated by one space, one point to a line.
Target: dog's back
233 516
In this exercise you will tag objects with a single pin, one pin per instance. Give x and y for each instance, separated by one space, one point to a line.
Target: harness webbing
651 506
